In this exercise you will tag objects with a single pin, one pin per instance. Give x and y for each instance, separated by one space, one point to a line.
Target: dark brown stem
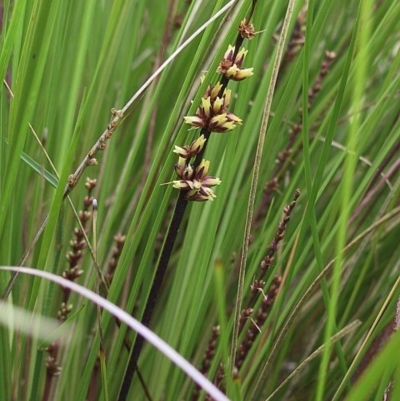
179 212
172 234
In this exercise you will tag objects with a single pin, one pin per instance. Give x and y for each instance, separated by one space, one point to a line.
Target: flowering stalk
193 181
253 319
72 273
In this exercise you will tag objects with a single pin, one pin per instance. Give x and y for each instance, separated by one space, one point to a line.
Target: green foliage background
67 63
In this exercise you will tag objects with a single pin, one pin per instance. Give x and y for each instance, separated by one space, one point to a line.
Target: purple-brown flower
196 181
188 151
213 112
246 29
231 65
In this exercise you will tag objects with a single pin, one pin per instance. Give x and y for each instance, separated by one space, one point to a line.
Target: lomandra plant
245 208
194 183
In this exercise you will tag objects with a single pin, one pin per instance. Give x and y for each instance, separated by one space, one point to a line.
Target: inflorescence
212 115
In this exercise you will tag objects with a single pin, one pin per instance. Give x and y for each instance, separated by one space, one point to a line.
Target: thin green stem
254 180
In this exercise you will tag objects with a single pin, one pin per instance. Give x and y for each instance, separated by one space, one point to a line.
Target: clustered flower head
246 29
188 151
194 180
199 184
212 115
231 65
213 112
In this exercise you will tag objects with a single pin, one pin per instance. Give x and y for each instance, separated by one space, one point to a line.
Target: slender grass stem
254 180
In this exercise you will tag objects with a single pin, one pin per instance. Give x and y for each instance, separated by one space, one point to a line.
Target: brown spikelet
72 272
255 326
116 253
256 319
207 358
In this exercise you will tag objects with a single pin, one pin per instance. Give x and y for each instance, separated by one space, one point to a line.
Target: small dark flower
232 68
197 183
183 170
213 112
188 151
246 29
